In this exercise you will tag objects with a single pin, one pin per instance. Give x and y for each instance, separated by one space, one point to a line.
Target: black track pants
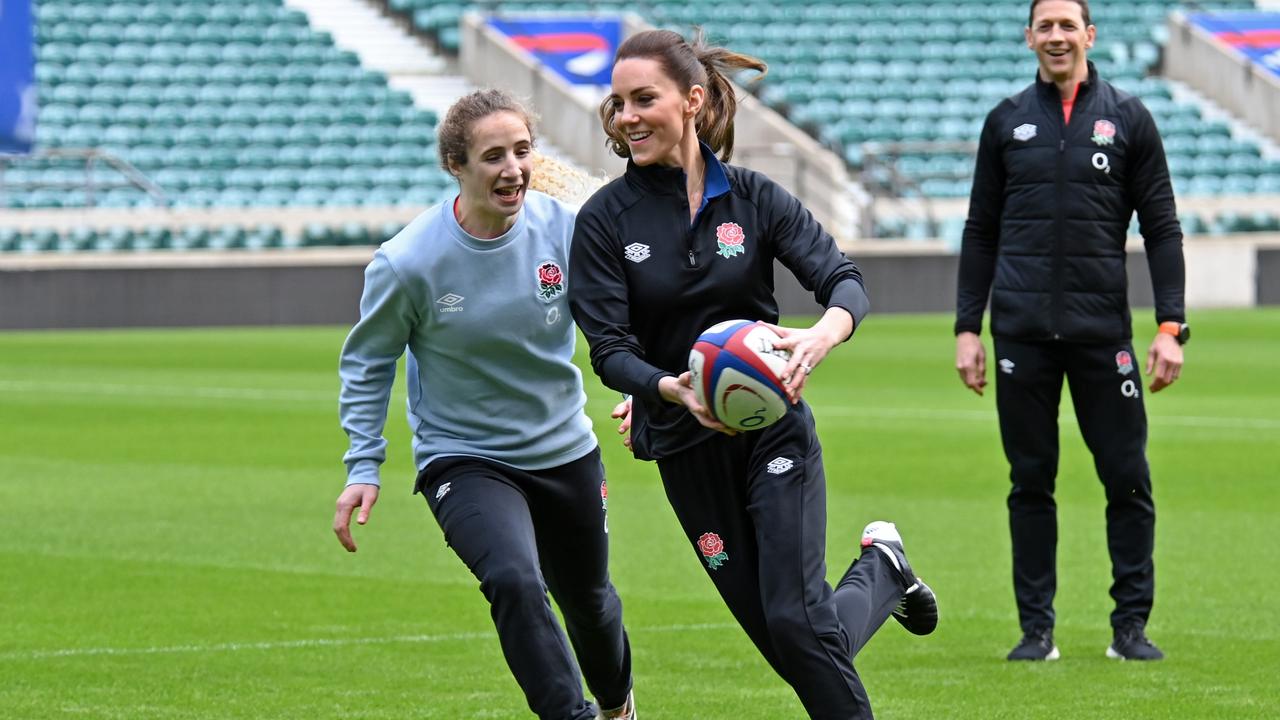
522 534
1106 389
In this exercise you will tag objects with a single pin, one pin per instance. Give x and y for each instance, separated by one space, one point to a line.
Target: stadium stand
232 104
240 104
900 90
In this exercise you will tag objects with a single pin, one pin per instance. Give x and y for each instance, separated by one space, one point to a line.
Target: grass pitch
166 550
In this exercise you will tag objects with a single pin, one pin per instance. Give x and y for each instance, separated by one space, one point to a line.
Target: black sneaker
918 609
1035 645
1131 643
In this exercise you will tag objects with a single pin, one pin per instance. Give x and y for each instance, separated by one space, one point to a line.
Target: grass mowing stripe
312 642
145 391
328 397
989 416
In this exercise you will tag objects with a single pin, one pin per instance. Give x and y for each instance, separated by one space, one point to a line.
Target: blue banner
17 78
578 49
1256 34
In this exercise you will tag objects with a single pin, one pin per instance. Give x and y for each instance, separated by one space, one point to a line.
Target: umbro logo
1006 366
1024 132
636 252
779 465
444 490
450 302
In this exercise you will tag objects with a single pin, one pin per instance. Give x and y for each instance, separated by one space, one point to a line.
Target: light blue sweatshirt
490 342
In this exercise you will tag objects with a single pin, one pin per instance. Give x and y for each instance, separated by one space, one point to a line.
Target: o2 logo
1129 389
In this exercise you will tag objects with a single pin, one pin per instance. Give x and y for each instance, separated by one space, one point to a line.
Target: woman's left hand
622 411
809 347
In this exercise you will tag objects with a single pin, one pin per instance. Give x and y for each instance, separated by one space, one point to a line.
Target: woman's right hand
680 391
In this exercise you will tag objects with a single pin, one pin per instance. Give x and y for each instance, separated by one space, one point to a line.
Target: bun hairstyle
687 64
453 136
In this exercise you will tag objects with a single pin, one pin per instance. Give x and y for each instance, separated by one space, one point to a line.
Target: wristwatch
1180 331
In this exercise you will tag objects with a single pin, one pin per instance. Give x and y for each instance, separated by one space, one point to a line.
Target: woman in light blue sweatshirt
475 289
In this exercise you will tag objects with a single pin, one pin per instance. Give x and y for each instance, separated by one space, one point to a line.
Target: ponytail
688 64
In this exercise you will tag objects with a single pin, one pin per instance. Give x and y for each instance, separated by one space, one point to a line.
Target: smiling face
652 113
496 175
1060 39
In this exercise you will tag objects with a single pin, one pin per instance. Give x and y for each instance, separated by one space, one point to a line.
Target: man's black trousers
522 533
1106 390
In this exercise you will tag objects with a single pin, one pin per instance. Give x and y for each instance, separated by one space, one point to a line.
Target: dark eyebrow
486 151
616 96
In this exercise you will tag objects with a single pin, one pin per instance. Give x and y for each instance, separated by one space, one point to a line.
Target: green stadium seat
115 239
39 240
10 237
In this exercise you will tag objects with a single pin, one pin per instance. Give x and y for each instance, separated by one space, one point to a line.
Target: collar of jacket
1049 91
663 180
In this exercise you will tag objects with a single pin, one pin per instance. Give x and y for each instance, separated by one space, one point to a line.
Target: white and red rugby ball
736 374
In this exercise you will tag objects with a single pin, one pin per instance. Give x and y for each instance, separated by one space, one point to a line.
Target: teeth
639 136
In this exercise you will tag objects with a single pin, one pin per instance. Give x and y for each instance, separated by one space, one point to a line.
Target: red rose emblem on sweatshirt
550 274
550 280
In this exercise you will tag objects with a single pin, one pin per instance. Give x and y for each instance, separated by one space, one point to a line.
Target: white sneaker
918 609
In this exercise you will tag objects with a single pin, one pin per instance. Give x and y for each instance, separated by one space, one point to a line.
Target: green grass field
166 550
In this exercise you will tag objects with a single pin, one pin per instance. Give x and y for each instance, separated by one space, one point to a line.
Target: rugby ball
736 374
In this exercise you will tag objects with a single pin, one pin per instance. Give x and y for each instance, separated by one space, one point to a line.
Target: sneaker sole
920 616
1114 655
1053 655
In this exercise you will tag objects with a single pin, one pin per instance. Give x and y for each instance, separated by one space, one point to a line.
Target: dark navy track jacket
644 282
1049 214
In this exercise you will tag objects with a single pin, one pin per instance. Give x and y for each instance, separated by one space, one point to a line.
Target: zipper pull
692 261
1062 144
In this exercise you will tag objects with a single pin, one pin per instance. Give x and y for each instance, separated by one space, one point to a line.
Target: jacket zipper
689 237
1055 322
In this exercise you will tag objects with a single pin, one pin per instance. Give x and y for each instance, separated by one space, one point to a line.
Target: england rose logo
730 238
712 549
1104 132
1124 362
604 495
550 280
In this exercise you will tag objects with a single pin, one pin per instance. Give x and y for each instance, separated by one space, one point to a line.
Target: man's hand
1164 361
354 496
971 361
622 411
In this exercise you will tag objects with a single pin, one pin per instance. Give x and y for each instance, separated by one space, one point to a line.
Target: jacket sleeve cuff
363 472
651 388
852 297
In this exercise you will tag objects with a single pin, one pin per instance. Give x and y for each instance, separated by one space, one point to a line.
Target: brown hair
454 134
687 64
1084 11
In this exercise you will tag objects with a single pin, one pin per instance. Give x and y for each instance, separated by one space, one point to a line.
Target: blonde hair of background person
562 181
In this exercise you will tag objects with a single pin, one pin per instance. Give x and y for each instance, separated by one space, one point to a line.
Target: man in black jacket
1061 168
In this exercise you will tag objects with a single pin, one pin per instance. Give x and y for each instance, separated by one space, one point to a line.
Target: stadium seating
239 103
862 76
225 104
159 238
